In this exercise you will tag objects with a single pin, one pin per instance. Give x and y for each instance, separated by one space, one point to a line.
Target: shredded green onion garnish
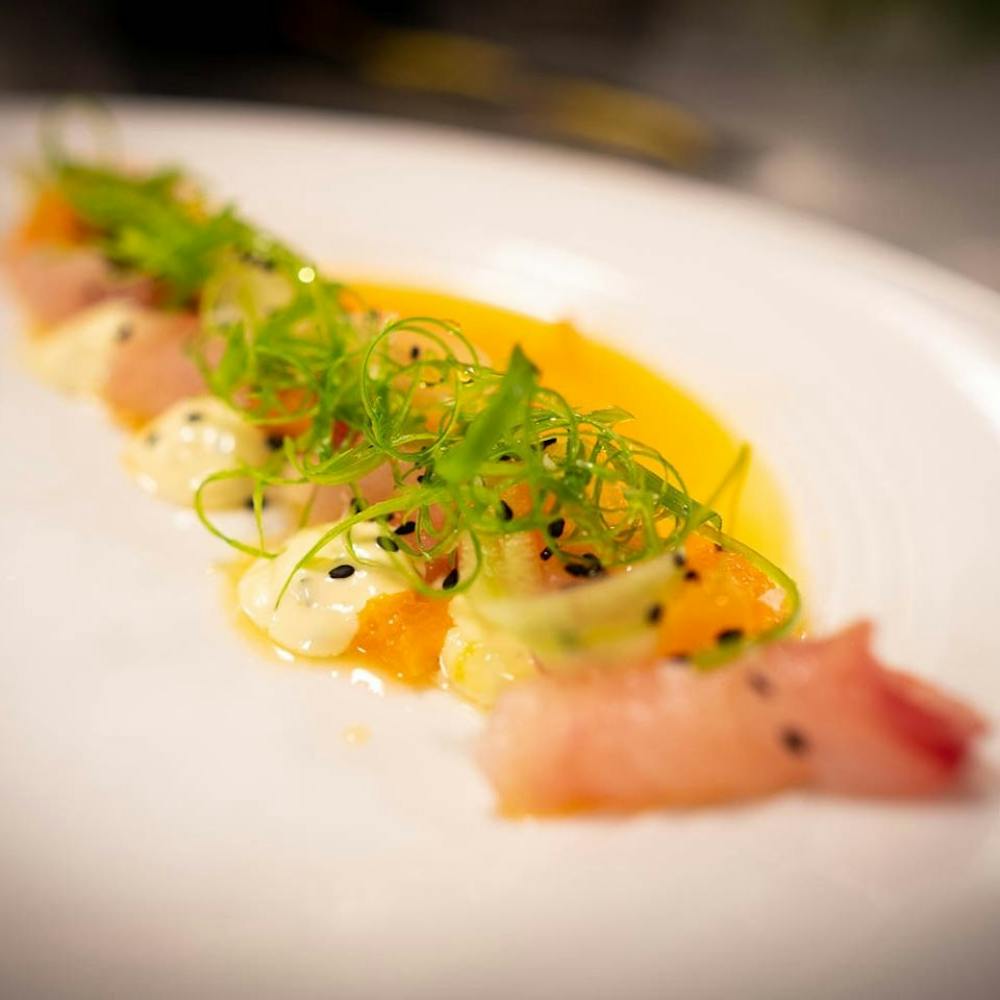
476 452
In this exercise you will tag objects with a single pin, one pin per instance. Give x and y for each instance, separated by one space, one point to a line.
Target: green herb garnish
476 453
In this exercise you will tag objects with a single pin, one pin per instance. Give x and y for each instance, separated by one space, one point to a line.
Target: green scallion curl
476 453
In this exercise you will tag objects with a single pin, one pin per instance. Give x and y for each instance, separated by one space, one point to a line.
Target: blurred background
880 114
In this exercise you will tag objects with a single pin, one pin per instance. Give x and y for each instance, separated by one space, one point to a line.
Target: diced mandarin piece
402 634
721 594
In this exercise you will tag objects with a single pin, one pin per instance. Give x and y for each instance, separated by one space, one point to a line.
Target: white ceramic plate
183 817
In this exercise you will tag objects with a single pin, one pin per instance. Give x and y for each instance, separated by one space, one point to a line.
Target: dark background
881 114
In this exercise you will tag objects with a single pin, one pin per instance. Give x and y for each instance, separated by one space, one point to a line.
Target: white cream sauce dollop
479 663
173 454
318 614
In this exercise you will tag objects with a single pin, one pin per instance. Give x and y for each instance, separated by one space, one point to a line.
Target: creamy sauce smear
318 613
193 439
478 666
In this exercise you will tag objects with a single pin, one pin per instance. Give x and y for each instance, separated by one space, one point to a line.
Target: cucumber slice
611 619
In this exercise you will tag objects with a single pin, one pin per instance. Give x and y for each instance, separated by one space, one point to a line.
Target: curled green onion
476 453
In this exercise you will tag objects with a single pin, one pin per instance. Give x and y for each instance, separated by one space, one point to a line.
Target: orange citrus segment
402 634
722 595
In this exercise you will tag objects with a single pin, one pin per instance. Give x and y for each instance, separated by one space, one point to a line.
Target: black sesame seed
450 580
761 684
275 441
414 352
591 566
421 478
357 506
557 527
719 548
194 416
506 514
124 332
679 559
548 442
248 503
341 572
406 528
546 554
794 741
692 575
729 635
507 458
655 614
386 544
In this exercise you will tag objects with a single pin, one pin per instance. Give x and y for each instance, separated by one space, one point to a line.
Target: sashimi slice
54 283
152 368
823 714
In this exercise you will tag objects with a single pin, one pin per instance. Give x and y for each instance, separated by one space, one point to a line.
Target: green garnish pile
477 453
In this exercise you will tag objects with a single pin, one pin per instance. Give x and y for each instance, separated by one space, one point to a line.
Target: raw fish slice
53 283
153 368
821 713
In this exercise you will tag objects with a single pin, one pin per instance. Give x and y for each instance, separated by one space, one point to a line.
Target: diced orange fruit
51 220
722 595
519 499
402 634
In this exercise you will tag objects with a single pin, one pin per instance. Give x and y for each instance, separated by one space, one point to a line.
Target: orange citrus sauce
593 375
